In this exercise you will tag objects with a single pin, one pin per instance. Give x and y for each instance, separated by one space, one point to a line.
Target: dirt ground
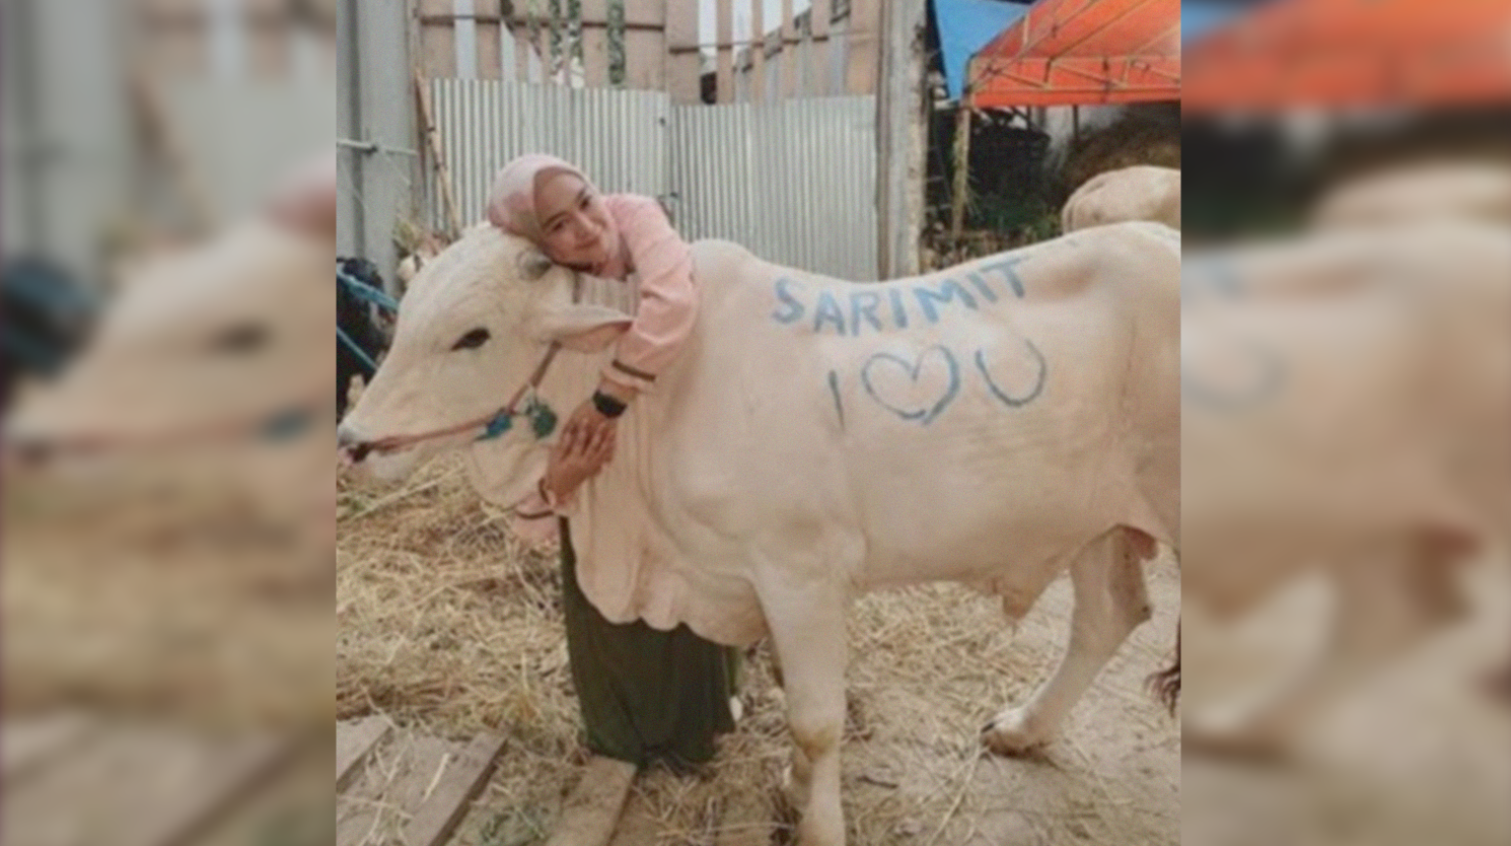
930 666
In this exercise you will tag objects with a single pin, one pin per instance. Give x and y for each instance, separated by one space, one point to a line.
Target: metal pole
33 162
899 106
350 222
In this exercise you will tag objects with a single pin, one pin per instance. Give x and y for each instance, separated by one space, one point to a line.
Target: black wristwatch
607 405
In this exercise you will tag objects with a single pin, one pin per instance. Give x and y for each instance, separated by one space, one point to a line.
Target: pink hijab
305 199
511 204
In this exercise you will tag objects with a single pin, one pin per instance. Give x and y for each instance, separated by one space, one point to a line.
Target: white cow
1347 399
1435 189
1430 190
995 423
1141 192
201 366
200 373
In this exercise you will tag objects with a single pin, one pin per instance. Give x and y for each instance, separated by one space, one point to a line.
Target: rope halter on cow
284 422
541 416
369 294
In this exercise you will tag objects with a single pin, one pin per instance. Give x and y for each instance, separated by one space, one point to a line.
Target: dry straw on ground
450 626
180 605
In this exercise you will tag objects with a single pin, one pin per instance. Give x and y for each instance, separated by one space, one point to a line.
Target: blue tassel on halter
542 419
287 424
501 423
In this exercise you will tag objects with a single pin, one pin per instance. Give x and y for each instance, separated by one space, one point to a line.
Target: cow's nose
351 444
28 453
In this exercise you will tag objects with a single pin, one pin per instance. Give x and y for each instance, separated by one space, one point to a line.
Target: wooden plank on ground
142 785
292 808
391 788
229 775
593 809
29 743
448 796
355 740
639 824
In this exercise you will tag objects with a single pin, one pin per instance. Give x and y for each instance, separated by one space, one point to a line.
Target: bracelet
607 405
540 489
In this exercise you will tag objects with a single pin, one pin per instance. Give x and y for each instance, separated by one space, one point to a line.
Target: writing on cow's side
1002 391
919 388
1209 276
1264 376
874 309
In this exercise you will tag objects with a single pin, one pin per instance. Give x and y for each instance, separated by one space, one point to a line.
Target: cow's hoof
1012 733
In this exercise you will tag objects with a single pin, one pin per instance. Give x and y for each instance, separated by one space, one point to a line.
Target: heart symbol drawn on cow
914 400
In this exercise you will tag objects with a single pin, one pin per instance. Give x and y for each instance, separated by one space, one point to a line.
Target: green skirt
645 695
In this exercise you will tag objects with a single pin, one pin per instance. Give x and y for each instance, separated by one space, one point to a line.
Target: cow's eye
472 340
240 338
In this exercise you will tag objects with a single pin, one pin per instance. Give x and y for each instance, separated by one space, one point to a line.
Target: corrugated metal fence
617 137
794 182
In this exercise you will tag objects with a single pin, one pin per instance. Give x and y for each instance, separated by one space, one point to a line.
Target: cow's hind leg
808 633
1385 602
1110 601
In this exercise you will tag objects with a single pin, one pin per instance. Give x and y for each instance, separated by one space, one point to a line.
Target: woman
645 694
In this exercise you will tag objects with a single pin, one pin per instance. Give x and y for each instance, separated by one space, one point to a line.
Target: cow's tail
1165 684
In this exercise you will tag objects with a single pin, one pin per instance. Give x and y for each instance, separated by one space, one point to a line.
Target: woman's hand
587 421
578 455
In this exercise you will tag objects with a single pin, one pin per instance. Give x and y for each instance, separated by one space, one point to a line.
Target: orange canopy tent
1333 53
1081 52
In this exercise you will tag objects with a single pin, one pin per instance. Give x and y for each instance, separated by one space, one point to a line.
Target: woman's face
574 221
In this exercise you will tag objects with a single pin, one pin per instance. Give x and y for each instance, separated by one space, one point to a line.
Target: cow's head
210 342
473 327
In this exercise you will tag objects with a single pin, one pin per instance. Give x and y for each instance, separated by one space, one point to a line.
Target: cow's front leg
1110 601
808 630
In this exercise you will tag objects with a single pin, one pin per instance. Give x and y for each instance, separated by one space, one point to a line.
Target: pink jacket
668 307
668 298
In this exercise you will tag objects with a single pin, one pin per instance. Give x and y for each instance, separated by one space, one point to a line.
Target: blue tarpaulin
1198 17
965 26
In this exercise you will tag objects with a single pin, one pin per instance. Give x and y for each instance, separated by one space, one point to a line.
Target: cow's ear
532 264
585 328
